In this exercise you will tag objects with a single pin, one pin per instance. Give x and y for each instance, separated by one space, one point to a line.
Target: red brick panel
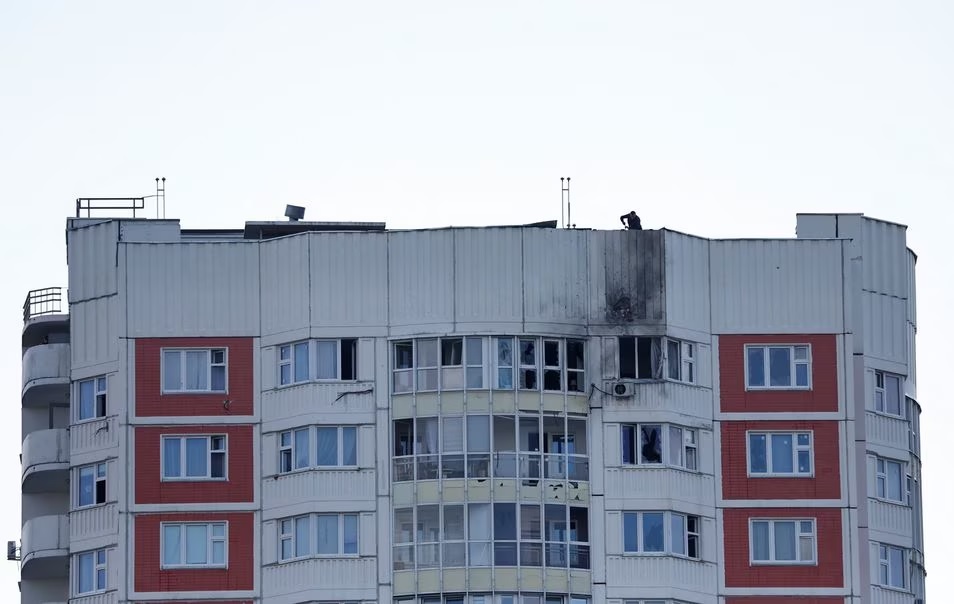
784 600
150 488
827 572
238 576
823 395
150 402
736 484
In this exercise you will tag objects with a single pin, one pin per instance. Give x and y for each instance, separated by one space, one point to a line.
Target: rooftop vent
294 213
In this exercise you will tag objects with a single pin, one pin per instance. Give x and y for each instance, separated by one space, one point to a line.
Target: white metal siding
885 258
554 276
91 254
885 333
192 289
488 279
421 279
285 290
94 328
687 283
348 279
776 286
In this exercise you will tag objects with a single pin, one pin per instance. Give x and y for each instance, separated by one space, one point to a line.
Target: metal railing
93 204
46 301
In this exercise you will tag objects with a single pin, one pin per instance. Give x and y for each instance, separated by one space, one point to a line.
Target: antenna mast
161 196
565 195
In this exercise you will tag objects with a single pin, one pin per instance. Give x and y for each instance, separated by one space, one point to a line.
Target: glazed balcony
45 548
46 374
46 461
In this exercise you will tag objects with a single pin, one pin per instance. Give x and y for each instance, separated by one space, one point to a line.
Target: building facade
315 413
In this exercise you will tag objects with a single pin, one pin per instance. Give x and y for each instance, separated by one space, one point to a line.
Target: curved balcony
45 548
46 374
46 461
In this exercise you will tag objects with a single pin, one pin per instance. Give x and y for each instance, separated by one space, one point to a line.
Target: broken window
640 358
659 444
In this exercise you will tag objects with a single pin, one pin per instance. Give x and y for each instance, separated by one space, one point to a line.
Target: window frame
100 388
183 462
181 352
211 539
97 566
767 366
312 519
881 476
665 430
883 377
884 566
685 363
796 448
97 478
771 542
668 534
291 363
292 448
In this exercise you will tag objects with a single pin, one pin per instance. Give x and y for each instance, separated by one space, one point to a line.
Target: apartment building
300 412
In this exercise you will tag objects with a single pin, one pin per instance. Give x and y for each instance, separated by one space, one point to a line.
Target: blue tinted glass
785 541
197 457
801 374
349 446
780 367
653 532
171 458
756 364
86 486
87 399
350 534
85 581
630 533
782 454
171 544
758 463
301 362
760 540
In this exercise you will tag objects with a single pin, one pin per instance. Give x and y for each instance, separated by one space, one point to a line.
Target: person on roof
631 221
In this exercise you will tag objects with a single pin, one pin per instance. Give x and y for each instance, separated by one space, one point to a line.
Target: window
888 394
485 534
780 453
92 399
293 363
661 533
193 457
194 370
575 379
403 380
528 363
318 535
640 358
92 485
91 572
782 367
336 447
782 541
891 483
334 360
194 544
892 563
680 361
659 444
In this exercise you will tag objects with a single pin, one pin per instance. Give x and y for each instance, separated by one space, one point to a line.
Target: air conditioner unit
620 388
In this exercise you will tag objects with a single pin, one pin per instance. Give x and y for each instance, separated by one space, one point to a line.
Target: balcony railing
39 302
527 466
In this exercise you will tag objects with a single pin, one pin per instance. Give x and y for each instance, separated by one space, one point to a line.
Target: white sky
720 119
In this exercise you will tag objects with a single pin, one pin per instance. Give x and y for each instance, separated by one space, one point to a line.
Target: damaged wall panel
633 277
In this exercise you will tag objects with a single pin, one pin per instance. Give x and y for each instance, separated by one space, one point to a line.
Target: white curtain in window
327 360
197 362
785 541
85 582
656 358
453 435
197 457
327 446
429 432
172 457
350 534
349 446
301 448
87 398
327 534
302 536
301 361
171 371
760 540
171 544
197 543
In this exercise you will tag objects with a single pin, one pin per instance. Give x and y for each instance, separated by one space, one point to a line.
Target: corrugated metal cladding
885 258
554 276
884 331
91 255
284 278
421 277
488 274
687 282
94 327
776 286
192 288
348 274
912 260
631 288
